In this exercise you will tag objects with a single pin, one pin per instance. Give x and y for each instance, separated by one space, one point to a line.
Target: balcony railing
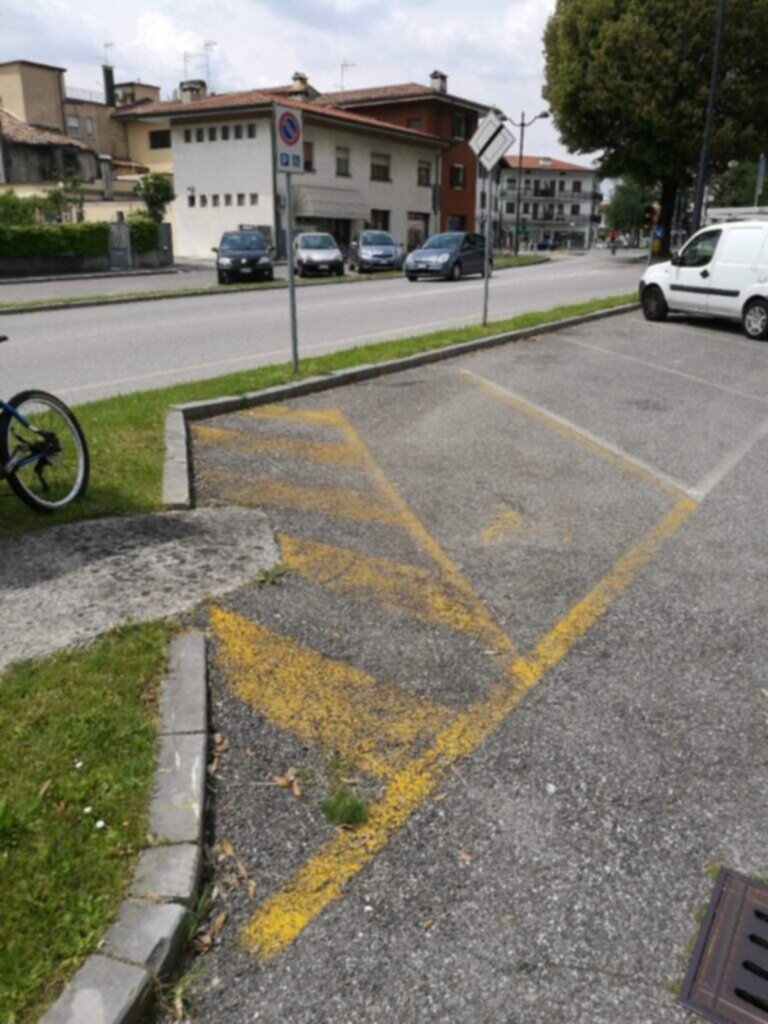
566 195
577 219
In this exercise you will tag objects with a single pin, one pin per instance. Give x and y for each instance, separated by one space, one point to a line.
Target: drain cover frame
734 933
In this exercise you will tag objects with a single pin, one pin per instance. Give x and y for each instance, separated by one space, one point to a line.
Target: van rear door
734 269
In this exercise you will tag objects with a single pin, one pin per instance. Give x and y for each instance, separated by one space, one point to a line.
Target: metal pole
760 180
519 184
701 180
291 282
488 244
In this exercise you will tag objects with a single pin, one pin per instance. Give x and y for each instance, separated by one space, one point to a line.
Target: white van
721 271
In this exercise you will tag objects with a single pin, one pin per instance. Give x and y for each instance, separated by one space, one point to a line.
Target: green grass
78 732
345 808
125 433
500 263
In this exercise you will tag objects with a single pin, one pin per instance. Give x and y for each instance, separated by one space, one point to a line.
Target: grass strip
78 750
500 263
126 433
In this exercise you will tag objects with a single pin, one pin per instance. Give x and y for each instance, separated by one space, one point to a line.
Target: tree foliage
631 78
16 210
736 186
625 211
156 192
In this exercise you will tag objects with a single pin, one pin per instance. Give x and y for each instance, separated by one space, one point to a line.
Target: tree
625 211
631 78
736 186
156 192
17 210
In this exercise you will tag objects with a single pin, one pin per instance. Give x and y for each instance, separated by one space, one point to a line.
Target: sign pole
488 244
291 282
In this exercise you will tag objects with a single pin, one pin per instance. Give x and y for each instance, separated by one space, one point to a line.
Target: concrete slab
168 873
176 809
103 991
183 699
150 935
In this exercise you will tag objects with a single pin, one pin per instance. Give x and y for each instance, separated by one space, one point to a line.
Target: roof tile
15 130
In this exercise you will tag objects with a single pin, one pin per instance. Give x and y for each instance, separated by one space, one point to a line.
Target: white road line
665 369
709 482
646 467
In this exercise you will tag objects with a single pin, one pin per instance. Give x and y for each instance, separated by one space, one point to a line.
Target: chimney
299 83
439 81
105 166
193 89
109 85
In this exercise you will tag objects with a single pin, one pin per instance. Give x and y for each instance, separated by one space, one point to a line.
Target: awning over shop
331 203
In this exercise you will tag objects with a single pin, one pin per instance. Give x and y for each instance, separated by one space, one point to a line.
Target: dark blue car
451 255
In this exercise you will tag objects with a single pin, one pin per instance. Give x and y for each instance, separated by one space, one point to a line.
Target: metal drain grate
727 980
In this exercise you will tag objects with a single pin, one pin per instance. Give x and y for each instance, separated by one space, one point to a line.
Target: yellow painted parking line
376 725
397 586
508 523
599 446
330 417
287 447
346 504
285 914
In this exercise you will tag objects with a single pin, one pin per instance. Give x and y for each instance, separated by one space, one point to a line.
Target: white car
721 271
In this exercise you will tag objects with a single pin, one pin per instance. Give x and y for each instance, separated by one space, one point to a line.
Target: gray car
451 255
374 250
315 252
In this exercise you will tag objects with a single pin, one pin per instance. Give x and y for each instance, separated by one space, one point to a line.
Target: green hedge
144 235
54 240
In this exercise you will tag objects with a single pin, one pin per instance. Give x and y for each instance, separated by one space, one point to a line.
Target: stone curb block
147 937
206 408
176 479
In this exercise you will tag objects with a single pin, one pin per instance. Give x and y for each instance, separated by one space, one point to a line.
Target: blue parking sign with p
295 160
285 160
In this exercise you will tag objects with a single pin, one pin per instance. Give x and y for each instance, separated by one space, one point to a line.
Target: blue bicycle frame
18 461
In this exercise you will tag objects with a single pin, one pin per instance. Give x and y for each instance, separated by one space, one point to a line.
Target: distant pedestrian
612 241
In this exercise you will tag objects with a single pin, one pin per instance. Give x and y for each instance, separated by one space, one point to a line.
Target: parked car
315 252
547 244
374 250
721 271
243 255
451 254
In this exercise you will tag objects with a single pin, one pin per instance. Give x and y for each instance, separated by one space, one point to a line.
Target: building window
457 176
238 131
215 199
203 200
309 156
241 198
89 126
254 198
187 135
73 126
510 207
251 131
342 162
482 200
424 173
380 168
228 199
380 220
413 122
199 135
225 132
576 187
213 134
459 126
526 207
160 140
575 209
191 199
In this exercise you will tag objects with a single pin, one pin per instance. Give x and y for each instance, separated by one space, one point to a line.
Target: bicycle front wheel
47 459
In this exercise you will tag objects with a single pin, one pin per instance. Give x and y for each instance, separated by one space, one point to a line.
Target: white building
559 202
358 171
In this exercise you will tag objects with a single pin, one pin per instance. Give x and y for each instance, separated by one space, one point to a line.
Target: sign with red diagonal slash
289 137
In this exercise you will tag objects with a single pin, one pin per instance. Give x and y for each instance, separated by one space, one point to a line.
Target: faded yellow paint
403 588
508 523
347 504
377 725
591 444
282 917
287 447
331 417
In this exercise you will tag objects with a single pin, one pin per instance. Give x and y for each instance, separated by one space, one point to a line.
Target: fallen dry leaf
283 780
241 870
438 797
45 787
296 787
251 885
203 942
466 857
427 923
226 848
217 924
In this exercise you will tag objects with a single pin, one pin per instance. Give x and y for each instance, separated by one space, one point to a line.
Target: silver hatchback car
315 252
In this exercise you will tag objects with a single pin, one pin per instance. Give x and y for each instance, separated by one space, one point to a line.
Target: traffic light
649 217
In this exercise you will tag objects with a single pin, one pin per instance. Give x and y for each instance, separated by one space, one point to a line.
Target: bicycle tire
17 479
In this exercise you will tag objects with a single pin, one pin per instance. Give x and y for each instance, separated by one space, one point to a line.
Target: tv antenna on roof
344 65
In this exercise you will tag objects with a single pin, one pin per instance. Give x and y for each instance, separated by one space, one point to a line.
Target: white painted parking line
709 482
665 369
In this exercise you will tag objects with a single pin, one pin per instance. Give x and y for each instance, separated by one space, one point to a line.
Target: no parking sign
289 135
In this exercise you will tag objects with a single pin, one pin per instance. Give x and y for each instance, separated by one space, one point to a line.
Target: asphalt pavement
91 353
523 618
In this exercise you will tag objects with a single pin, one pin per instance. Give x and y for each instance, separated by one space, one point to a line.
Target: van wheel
755 320
654 304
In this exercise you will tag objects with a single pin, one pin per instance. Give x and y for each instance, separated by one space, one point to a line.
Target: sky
492 54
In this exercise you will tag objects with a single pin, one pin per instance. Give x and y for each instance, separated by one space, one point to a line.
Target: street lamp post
522 124
701 180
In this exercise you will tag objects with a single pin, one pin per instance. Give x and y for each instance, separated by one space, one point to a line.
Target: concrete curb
177 473
147 937
106 275
277 285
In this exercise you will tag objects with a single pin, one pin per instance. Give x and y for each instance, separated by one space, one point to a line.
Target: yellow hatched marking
508 523
399 587
347 504
332 417
323 701
284 915
289 447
